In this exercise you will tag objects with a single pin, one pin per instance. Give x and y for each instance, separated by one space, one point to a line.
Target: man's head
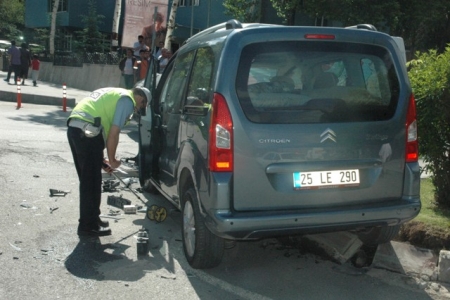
159 17
129 52
141 96
140 38
144 53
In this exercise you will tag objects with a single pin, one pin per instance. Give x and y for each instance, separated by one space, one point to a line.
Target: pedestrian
138 46
14 61
166 54
142 64
93 126
126 65
35 64
25 61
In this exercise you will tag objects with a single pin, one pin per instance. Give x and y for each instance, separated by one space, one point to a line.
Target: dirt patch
420 235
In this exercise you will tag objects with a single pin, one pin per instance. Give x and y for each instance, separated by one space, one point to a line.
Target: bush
430 79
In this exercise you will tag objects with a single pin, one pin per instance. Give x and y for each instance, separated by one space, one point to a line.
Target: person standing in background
126 65
25 62
15 63
138 46
35 64
141 65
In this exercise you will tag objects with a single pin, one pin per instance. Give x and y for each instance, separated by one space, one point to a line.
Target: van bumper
257 225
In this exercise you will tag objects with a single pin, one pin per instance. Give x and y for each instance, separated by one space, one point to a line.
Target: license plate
326 179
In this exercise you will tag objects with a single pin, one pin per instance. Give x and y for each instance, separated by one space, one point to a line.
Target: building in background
192 17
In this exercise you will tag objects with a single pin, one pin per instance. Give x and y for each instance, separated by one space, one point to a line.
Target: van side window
174 86
199 90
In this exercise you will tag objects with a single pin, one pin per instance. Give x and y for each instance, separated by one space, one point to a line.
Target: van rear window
316 82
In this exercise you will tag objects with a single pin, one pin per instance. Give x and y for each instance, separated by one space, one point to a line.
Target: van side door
171 100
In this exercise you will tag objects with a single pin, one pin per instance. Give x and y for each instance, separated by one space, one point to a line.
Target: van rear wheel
202 249
378 235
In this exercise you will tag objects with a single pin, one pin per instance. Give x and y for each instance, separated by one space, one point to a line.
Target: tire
202 249
378 235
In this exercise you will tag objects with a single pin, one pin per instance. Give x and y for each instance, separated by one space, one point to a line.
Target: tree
90 39
247 11
430 79
12 19
171 25
115 26
348 12
53 27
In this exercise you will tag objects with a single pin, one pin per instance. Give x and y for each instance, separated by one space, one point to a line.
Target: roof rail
363 26
230 24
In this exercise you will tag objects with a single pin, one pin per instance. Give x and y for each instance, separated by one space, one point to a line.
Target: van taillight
412 145
220 156
314 36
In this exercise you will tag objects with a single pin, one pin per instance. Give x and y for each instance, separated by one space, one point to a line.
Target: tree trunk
115 26
53 27
171 25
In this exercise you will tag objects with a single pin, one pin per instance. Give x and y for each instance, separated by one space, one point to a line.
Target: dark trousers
13 68
129 81
88 157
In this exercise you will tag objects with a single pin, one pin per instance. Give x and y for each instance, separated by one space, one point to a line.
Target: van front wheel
202 248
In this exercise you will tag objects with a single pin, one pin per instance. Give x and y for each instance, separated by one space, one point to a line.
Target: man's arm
111 146
124 109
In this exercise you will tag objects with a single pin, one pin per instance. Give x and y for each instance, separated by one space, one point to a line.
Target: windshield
316 82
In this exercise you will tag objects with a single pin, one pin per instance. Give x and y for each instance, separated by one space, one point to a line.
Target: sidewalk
45 93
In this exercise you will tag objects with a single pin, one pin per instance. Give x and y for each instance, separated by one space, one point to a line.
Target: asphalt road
41 257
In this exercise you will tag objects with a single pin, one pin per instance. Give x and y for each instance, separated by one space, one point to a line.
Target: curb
36 99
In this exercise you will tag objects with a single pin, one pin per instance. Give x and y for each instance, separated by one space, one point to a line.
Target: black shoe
100 231
102 223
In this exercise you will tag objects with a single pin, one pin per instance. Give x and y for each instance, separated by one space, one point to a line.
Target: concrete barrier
89 77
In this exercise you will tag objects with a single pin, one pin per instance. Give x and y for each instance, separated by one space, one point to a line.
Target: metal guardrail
71 59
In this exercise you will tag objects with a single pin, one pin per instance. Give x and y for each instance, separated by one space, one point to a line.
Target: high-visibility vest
101 103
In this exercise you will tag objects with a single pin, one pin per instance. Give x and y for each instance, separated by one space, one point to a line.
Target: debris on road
53 209
110 185
58 193
118 202
15 247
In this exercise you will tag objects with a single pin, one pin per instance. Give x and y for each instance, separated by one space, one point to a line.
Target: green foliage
247 11
431 214
349 12
12 19
423 25
90 39
430 80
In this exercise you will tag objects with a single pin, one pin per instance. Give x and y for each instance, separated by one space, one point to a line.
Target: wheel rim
189 228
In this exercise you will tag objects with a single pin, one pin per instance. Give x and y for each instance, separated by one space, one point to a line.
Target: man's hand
115 163
106 167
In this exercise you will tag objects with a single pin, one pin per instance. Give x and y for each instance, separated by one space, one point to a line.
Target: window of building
61 7
182 3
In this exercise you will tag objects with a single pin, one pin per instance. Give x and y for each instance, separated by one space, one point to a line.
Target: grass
430 214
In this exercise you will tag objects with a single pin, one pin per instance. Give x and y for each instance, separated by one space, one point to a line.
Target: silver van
260 130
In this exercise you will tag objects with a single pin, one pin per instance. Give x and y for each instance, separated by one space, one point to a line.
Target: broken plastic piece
54 193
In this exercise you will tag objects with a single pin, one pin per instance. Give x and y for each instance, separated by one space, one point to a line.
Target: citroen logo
328 134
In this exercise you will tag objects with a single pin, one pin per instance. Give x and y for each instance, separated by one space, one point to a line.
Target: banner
140 19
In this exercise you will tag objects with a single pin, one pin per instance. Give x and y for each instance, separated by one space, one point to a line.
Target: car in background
258 130
4 46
